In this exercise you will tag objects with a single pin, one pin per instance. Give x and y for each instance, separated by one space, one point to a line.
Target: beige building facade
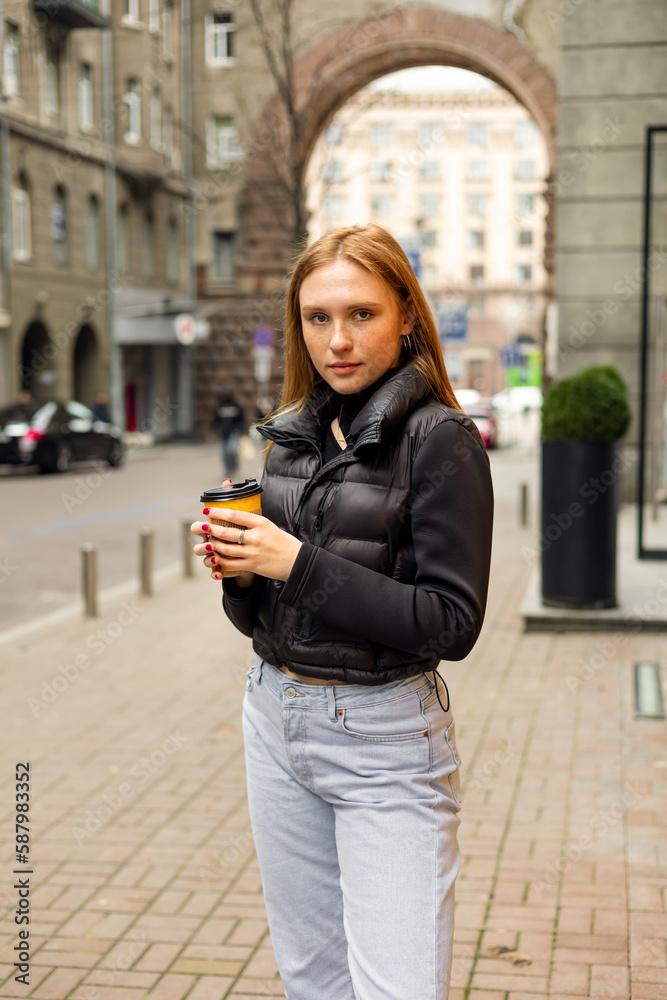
93 200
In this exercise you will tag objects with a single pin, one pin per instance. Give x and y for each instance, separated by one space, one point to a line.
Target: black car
54 435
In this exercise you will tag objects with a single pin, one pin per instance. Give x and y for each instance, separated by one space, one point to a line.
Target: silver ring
240 538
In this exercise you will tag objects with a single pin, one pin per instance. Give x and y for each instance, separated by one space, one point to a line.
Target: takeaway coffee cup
235 496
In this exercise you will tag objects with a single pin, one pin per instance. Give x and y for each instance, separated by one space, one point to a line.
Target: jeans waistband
331 695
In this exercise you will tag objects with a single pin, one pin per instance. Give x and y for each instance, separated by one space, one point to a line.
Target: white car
515 399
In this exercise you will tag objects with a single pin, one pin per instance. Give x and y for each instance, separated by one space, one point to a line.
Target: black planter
579 512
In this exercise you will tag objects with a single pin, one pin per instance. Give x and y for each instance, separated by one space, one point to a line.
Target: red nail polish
218 576
213 559
207 510
209 548
205 527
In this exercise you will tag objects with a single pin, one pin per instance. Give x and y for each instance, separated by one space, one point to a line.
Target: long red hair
374 248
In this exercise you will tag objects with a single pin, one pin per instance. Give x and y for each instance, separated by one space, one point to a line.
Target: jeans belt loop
331 699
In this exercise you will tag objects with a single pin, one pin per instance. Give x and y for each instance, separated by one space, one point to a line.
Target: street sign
453 325
412 249
263 356
510 356
185 329
263 336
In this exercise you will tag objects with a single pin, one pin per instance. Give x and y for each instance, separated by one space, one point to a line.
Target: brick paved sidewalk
145 882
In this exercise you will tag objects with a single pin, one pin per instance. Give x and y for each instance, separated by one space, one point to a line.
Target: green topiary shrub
589 406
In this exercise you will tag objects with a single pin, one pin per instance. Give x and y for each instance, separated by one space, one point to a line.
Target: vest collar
392 401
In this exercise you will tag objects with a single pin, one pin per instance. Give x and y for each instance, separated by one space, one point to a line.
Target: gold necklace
344 441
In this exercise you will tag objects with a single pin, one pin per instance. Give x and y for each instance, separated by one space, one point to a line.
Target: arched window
92 232
122 225
59 224
21 219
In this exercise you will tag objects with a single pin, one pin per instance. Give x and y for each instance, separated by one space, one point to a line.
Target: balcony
73 13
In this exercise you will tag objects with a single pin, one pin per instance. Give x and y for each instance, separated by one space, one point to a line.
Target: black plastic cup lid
235 491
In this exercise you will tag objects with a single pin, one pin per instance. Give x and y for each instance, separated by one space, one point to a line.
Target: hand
266 549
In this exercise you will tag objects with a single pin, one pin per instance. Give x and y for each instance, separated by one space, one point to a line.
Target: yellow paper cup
237 496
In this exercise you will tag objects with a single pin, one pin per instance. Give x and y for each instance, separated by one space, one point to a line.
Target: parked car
517 399
485 421
53 435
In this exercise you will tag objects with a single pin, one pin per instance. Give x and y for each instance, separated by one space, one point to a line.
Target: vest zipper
333 464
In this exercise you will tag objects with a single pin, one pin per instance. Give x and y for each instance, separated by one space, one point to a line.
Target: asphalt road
45 519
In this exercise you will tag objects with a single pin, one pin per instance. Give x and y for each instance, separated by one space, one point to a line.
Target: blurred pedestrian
229 423
369 565
100 407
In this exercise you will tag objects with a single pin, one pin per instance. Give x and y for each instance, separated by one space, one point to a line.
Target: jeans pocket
399 721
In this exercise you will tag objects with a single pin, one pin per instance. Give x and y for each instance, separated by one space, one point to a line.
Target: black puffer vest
355 505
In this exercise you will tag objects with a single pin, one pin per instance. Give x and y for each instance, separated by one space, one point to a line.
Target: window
525 133
52 101
430 170
478 170
153 15
332 170
167 34
478 132
156 119
133 101
380 170
524 204
149 245
334 134
333 205
524 273
21 222
85 96
10 61
429 275
219 39
171 265
168 134
429 132
93 232
476 238
59 225
525 237
525 170
477 274
477 204
429 238
223 141
131 10
222 261
380 204
429 204
381 133
122 223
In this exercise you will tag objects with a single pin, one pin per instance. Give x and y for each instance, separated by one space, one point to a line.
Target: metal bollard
524 504
146 561
188 554
89 580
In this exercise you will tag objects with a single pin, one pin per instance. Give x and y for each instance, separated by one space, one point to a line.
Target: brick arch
342 64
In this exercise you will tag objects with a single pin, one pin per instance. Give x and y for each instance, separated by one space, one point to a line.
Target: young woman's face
352 325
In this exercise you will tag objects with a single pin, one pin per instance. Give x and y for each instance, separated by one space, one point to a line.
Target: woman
369 565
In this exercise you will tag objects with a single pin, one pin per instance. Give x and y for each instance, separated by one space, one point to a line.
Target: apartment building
94 204
457 177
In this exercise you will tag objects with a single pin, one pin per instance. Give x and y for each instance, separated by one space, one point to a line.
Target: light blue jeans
353 793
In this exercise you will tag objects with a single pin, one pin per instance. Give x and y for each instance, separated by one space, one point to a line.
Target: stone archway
36 373
86 363
345 62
